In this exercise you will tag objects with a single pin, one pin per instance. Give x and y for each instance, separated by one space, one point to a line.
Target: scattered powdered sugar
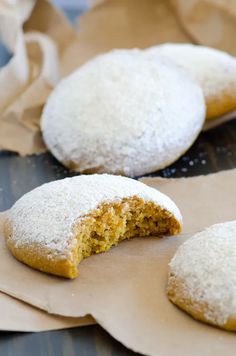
46 214
123 113
214 70
207 265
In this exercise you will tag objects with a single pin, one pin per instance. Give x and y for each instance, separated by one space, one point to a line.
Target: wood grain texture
213 151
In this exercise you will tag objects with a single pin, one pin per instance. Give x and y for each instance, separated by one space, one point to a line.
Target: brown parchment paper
123 24
45 48
26 81
211 124
209 22
124 289
202 200
19 316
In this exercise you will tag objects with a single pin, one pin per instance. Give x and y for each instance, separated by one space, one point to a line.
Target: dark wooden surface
213 151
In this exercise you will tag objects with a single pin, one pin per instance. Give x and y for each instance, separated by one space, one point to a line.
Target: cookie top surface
214 70
47 214
123 113
206 266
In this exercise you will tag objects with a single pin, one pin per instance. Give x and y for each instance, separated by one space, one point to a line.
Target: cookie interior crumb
114 222
98 231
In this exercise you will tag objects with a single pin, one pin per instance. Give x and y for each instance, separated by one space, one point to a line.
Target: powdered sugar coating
47 214
123 113
207 264
214 70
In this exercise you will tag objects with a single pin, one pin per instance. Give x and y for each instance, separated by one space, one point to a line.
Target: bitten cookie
202 277
214 70
123 113
53 227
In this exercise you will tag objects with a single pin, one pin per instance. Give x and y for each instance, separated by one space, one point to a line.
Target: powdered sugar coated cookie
123 113
202 277
53 227
214 70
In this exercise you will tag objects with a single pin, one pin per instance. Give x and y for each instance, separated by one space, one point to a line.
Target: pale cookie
214 70
202 277
123 113
53 227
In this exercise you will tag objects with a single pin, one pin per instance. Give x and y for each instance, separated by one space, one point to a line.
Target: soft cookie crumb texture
98 231
53 227
112 223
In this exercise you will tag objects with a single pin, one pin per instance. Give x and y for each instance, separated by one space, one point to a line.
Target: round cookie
202 277
123 113
214 70
53 227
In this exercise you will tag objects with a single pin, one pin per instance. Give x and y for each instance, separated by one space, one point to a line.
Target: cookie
123 113
214 70
202 277
53 227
